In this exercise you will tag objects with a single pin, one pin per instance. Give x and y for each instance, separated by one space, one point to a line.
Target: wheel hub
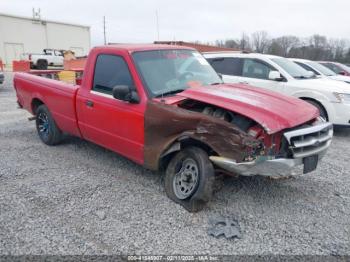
186 180
43 124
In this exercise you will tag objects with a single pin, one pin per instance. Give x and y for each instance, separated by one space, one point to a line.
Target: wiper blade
215 84
300 77
171 92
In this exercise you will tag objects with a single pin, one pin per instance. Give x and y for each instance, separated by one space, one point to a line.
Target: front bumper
303 143
339 113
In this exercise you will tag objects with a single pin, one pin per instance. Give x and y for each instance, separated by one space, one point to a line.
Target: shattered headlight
342 98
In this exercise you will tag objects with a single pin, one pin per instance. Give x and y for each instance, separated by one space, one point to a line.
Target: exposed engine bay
240 121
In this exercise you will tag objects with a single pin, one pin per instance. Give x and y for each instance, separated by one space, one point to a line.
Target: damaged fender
166 126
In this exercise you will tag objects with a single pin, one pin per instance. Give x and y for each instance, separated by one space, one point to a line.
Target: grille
310 140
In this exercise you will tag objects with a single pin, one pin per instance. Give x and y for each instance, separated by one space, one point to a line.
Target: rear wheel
47 129
189 179
42 64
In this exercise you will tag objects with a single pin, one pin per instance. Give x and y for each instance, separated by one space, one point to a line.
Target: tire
323 112
191 164
46 127
41 64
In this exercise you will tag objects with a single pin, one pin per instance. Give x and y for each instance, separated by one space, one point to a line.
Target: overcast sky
204 20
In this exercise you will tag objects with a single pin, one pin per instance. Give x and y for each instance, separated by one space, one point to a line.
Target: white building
28 35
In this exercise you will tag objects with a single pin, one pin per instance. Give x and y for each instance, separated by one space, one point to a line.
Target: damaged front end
234 143
302 146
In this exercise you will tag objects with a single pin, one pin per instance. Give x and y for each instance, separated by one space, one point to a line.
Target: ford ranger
165 108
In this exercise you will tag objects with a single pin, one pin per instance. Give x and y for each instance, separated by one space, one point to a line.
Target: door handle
244 82
89 103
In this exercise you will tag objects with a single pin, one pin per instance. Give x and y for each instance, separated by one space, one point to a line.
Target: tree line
316 47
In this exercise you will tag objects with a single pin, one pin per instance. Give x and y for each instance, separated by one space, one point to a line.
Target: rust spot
165 124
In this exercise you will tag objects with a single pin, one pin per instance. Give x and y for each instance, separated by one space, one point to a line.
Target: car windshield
167 72
321 68
292 68
346 68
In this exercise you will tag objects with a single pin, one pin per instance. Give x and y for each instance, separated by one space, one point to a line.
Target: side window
58 53
227 66
307 68
254 68
110 71
332 67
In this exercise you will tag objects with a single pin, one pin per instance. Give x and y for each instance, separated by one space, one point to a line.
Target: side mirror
311 74
275 76
343 73
125 93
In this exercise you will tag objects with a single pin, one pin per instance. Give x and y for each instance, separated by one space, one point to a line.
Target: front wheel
320 108
47 129
189 179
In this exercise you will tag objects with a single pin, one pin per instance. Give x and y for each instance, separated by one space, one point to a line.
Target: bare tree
244 42
286 43
230 43
260 41
338 48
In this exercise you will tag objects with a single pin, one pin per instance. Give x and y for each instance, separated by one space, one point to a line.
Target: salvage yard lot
78 198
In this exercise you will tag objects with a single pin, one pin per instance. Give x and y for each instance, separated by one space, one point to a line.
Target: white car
320 70
275 73
50 57
2 77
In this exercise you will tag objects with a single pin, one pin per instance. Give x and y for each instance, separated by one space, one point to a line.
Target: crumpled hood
271 110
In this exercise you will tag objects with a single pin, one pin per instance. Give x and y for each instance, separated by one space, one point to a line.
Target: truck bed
60 97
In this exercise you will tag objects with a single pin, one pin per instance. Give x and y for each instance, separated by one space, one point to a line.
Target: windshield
292 68
171 71
321 68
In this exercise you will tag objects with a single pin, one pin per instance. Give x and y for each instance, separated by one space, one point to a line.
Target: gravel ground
78 198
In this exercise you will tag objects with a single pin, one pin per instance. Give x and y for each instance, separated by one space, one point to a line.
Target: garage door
13 51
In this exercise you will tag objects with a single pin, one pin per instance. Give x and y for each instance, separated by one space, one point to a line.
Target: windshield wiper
215 84
301 77
170 92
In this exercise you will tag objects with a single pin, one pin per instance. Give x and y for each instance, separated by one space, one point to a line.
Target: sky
134 21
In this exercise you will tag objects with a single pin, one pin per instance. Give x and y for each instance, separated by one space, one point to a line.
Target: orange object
20 66
1 65
75 64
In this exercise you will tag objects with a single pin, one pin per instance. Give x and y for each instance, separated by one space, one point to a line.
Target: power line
157 21
104 30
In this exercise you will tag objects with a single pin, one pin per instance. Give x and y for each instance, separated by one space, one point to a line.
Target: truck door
112 123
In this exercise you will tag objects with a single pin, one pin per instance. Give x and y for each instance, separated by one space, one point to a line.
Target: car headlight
342 98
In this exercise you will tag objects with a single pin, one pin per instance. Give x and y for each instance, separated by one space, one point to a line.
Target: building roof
43 20
199 47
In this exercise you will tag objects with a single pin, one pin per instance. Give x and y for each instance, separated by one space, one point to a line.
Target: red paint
119 125
272 110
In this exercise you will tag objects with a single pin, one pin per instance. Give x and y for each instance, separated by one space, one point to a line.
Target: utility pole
104 29
157 21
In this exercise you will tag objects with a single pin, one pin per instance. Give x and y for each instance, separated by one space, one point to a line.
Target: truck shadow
228 190
341 131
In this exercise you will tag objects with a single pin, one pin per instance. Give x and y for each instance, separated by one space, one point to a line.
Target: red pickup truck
165 108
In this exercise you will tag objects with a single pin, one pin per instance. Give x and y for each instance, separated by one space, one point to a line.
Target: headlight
342 98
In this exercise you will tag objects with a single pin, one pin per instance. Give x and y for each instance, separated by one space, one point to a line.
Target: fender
39 96
318 96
